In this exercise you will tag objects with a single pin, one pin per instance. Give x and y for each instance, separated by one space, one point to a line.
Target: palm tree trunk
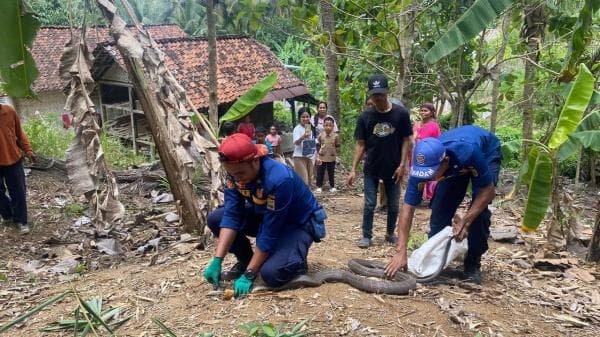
331 66
495 75
213 99
533 33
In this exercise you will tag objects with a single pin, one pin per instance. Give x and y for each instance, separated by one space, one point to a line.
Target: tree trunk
213 99
556 237
495 74
532 34
594 248
174 137
331 66
406 22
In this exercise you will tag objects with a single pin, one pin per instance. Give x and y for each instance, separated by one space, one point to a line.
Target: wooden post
132 118
293 110
102 117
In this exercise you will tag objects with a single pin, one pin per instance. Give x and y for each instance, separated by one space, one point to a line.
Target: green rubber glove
213 272
241 286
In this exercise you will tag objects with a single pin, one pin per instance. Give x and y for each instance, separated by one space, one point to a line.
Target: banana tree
17 67
540 171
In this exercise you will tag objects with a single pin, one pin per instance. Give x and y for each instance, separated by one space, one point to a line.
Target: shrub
507 134
117 155
282 117
47 136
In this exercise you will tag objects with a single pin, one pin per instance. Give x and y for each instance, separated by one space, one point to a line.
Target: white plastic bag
426 260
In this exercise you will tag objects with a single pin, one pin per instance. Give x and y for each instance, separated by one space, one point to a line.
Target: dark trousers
330 167
14 205
448 196
392 191
287 259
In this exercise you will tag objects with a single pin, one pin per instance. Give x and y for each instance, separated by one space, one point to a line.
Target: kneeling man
267 200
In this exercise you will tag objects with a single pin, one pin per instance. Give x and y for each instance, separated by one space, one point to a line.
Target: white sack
426 260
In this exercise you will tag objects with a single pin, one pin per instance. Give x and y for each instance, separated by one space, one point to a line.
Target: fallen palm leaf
164 328
85 324
35 310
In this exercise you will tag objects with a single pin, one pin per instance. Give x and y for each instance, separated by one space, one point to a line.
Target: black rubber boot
472 271
236 271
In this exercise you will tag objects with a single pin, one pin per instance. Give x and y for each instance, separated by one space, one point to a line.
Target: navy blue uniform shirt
471 149
278 194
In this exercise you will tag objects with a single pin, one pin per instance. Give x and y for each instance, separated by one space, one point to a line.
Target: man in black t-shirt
384 132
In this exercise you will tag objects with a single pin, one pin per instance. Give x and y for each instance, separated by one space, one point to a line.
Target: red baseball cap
238 148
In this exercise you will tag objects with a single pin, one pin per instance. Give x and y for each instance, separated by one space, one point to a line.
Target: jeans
392 190
287 259
448 196
330 167
14 205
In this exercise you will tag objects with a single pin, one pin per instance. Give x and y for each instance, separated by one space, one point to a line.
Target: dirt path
508 303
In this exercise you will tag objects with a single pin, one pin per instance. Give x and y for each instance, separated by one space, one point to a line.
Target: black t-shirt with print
383 134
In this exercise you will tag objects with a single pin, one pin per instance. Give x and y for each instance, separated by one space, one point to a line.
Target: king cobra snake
364 275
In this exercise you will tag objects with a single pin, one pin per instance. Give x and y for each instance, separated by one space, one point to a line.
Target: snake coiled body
367 276
364 275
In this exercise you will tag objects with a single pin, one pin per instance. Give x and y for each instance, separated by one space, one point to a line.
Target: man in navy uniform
267 200
461 155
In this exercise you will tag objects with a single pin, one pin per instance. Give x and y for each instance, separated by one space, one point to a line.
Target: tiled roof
50 41
241 63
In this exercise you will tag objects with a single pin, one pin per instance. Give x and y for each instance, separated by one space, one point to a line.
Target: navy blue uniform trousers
287 259
449 194
14 205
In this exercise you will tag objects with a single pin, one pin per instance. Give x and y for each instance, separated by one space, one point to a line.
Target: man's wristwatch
250 274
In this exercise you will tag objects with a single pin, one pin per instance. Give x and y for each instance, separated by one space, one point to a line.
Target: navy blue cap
427 157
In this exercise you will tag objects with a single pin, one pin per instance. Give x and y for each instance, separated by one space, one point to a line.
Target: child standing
275 139
329 145
260 138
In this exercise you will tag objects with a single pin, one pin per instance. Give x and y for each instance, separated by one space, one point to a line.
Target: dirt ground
518 297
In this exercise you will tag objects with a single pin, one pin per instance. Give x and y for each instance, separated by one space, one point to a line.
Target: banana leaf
17 67
510 149
589 139
591 122
575 105
250 99
478 17
540 190
525 172
580 38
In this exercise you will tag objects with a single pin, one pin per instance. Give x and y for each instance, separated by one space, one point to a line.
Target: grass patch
416 240
47 136
119 156
49 139
74 209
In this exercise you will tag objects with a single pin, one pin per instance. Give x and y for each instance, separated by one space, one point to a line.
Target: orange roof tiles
50 41
242 62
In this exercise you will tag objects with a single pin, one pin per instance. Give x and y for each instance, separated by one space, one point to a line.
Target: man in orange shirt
13 143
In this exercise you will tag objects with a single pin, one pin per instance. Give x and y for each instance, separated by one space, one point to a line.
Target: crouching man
461 155
267 200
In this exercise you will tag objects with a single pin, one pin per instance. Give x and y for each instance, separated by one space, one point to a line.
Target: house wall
45 102
51 101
